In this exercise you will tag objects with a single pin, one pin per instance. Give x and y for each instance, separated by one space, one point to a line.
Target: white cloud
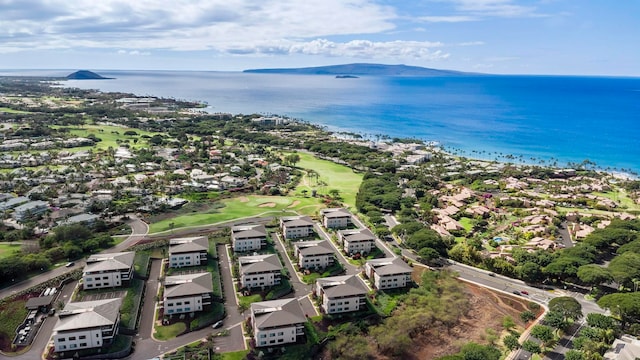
219 25
477 9
448 19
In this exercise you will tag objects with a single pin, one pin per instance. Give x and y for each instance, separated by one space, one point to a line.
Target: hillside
361 69
85 75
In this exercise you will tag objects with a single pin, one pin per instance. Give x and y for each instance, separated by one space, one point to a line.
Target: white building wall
184 259
331 223
272 337
247 244
83 339
259 280
309 262
392 281
297 232
335 306
182 305
102 280
352 247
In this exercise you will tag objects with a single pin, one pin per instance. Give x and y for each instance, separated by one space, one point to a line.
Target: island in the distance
86 75
346 77
352 70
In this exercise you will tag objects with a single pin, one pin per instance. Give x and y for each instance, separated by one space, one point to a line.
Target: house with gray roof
188 251
357 241
277 322
260 271
294 227
30 210
340 294
388 273
12 202
314 254
108 270
336 218
87 324
625 348
84 218
248 237
187 293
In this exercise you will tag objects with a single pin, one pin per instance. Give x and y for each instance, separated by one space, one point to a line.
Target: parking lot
104 295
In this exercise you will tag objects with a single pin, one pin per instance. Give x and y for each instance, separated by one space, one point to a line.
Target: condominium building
340 294
277 322
260 271
188 251
187 293
357 241
388 273
248 237
108 270
294 227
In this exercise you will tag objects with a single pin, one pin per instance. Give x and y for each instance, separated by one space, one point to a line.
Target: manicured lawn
330 271
238 355
170 331
109 135
12 111
466 223
622 197
241 207
248 300
336 176
8 249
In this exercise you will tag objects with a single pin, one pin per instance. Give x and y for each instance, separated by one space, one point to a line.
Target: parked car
524 292
492 274
70 264
218 324
516 292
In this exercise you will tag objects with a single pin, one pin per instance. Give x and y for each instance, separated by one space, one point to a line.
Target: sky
554 37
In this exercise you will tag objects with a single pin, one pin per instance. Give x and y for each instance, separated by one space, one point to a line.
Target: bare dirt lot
488 308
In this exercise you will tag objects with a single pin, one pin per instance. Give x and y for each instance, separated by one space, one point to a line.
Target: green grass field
339 177
109 135
466 223
241 207
8 249
12 111
164 333
620 196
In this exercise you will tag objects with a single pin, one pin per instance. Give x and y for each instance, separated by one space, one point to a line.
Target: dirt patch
294 204
267 204
488 308
243 199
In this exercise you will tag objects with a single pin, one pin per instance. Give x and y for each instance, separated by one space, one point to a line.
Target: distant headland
86 75
353 70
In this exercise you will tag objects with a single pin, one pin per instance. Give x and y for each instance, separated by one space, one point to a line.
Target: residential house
340 294
87 324
187 293
248 237
314 254
357 241
335 218
108 270
84 218
626 347
13 202
188 251
294 227
260 271
388 273
277 322
30 210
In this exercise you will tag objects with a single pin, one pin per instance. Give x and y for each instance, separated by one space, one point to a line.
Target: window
72 338
272 334
281 333
82 337
187 302
62 340
72 346
262 336
83 344
105 278
62 347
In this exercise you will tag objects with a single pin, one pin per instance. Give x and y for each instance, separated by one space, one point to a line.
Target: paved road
138 230
382 245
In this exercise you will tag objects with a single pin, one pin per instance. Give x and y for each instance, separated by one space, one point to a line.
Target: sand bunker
268 204
294 204
243 199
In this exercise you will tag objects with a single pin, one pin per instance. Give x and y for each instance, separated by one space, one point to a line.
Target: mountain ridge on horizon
361 69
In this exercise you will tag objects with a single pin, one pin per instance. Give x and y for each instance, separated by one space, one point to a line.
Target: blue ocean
538 119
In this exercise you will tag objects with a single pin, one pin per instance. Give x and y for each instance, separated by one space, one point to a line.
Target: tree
601 321
556 320
624 305
531 346
527 316
426 255
594 274
625 267
573 355
511 342
543 333
569 307
508 323
292 159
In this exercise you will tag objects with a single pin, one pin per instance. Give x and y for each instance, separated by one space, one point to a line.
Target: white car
217 325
